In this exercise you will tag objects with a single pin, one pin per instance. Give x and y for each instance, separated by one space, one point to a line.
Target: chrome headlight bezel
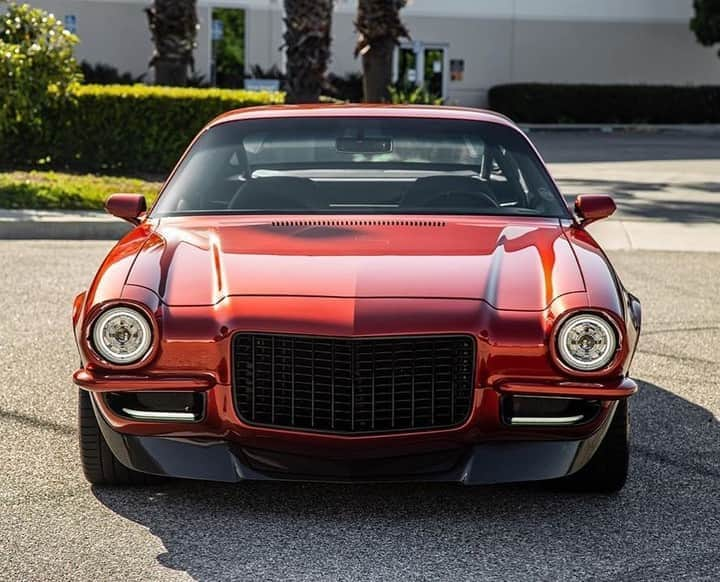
138 318
601 324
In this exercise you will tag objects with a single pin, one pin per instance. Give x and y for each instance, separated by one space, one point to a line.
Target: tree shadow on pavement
663 525
633 205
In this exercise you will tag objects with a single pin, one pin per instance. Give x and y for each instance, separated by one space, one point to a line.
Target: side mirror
129 207
592 207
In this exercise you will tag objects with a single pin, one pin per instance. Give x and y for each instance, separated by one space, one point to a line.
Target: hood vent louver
353 222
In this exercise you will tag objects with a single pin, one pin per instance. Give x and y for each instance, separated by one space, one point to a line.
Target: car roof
363 110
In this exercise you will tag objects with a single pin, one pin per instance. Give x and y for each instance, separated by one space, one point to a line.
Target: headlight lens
122 335
586 342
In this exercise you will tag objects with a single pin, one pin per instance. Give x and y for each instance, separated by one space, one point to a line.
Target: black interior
285 193
277 193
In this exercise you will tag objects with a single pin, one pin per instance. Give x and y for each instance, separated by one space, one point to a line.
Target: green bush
59 191
410 94
544 103
104 74
120 128
230 49
37 68
347 87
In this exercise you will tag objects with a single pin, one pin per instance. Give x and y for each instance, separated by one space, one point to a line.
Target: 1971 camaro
357 293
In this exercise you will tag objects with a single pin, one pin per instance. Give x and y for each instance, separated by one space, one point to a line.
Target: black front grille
353 385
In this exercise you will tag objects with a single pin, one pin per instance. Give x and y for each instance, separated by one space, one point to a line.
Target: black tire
99 464
607 470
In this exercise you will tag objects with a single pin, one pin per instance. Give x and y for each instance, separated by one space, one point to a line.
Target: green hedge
119 128
543 103
58 190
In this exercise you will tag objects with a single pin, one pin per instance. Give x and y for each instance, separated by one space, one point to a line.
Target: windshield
361 165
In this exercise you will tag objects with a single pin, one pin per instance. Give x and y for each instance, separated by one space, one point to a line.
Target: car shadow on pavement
663 525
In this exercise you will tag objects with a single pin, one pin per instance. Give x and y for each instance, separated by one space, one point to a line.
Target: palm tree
380 28
706 22
307 47
173 26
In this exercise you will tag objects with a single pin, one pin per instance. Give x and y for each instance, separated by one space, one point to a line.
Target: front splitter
220 460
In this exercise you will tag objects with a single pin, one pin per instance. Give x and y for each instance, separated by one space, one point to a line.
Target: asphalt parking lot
665 525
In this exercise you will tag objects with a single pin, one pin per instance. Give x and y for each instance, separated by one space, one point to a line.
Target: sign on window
217 29
70 22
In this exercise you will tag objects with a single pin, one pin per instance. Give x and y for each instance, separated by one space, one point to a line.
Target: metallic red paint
508 281
518 264
622 389
129 382
129 207
365 110
592 207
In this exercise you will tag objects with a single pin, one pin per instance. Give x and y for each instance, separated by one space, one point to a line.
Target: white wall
115 33
603 10
569 42
501 41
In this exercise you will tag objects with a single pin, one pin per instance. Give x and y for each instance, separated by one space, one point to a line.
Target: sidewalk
53 224
667 190
643 235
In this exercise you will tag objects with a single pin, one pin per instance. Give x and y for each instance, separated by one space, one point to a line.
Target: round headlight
586 342
122 335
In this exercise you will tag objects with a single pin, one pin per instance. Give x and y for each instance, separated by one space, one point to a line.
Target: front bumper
479 464
481 451
512 360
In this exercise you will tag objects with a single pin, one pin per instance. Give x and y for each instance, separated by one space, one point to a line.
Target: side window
506 179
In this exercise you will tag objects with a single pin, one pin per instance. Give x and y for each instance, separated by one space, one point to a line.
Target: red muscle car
357 293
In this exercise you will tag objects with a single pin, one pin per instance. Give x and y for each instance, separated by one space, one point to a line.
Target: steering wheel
459 195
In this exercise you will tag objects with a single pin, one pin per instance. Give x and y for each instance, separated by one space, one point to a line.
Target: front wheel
607 471
99 464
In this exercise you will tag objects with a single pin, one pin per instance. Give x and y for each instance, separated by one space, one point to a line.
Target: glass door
407 66
434 73
228 47
423 65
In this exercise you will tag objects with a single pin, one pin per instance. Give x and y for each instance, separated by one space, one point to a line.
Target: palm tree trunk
307 47
173 26
380 30
377 71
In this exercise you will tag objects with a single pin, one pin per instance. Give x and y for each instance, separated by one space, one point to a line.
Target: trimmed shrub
104 74
544 103
120 128
37 68
409 94
347 87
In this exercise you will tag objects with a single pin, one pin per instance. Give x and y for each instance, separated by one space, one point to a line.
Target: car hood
517 264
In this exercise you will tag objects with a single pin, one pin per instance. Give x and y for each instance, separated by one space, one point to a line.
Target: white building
484 42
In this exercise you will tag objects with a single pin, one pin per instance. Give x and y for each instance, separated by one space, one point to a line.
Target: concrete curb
694 129
59 225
